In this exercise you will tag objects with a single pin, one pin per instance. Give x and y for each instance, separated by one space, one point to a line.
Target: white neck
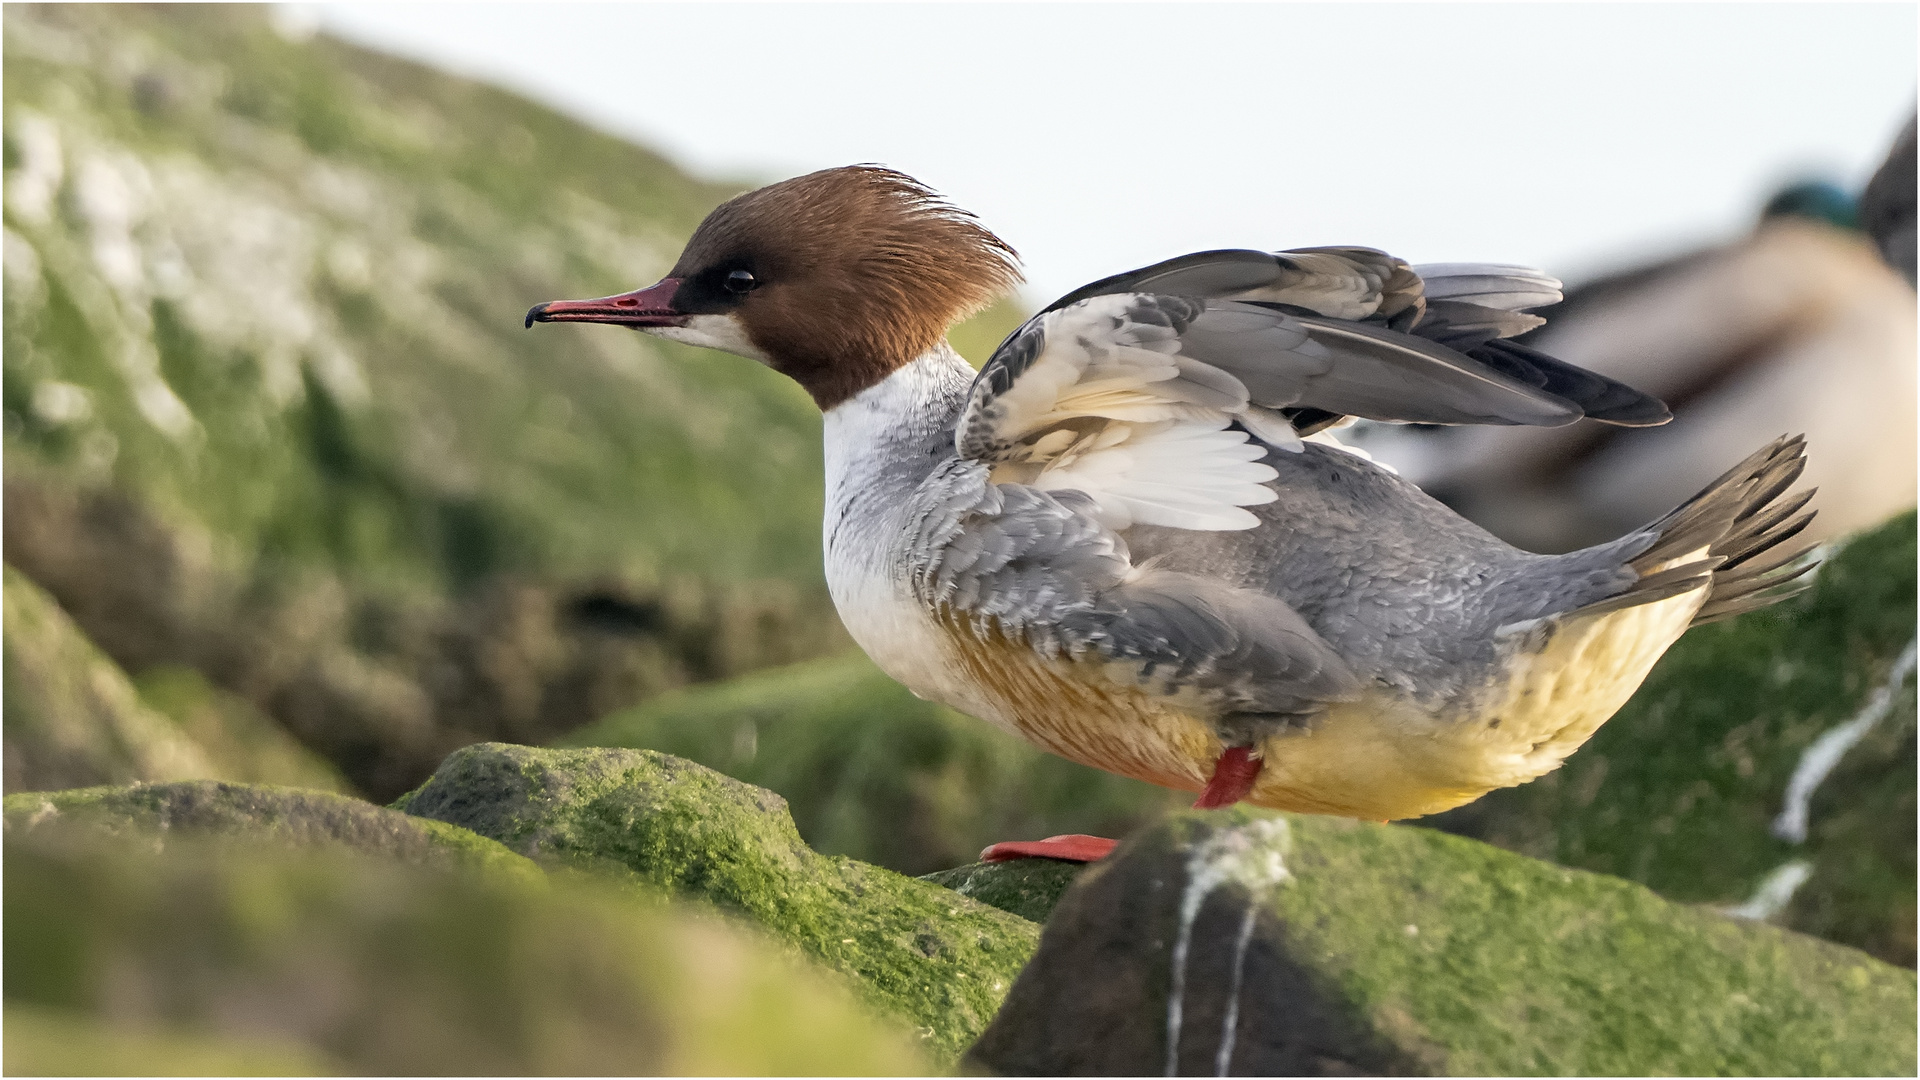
882 442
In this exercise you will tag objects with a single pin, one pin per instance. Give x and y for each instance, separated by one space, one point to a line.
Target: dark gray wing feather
1221 273
1457 315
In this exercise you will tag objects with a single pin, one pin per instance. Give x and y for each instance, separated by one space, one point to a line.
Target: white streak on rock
1825 752
1251 856
1229 1026
1775 890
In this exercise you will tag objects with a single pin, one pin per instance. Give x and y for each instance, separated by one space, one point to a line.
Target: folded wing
1141 390
1037 568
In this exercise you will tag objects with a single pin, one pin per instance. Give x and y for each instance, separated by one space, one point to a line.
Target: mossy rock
60 1042
875 773
236 957
1253 943
241 744
160 813
912 949
1682 788
1029 888
72 718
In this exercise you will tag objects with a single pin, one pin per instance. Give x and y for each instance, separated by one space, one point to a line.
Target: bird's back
1405 590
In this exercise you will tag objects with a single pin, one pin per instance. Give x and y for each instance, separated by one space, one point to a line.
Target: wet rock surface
1271 945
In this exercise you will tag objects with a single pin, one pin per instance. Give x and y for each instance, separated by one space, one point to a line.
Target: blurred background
291 497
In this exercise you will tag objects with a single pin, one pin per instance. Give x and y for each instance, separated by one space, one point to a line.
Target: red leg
1233 777
1073 847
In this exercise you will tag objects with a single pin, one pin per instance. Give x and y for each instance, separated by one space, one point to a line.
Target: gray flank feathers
1035 567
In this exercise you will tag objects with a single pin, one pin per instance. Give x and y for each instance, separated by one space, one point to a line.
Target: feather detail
1099 398
1493 285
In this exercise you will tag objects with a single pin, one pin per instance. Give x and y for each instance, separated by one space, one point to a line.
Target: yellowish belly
1379 757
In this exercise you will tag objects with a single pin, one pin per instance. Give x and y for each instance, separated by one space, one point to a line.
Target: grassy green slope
271 414
289 278
290 275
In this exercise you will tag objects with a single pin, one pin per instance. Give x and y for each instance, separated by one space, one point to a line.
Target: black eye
741 282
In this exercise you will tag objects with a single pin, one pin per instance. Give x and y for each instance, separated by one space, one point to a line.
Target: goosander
1128 540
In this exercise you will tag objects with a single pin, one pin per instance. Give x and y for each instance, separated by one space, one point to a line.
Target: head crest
865 269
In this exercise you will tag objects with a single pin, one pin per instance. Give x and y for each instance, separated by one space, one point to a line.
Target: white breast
881 444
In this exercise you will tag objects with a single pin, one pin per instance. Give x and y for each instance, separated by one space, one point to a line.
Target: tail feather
1763 524
1706 517
1767 562
1740 549
1733 522
1775 480
1719 607
1654 587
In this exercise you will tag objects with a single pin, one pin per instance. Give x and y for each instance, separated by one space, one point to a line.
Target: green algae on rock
1283 945
258 815
1029 888
911 949
350 963
873 772
1681 789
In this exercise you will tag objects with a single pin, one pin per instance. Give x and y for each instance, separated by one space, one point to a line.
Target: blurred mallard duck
1799 326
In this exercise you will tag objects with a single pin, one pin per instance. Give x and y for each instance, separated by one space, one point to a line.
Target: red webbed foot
1233 777
1072 847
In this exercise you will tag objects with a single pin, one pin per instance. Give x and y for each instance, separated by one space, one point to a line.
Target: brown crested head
835 278
841 276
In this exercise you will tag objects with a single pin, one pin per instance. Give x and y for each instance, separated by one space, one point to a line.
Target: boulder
72 718
912 949
1707 786
873 772
1030 888
232 957
241 743
60 1042
278 817
1261 944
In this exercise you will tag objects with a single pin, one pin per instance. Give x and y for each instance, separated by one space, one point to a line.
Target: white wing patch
1108 407
1191 474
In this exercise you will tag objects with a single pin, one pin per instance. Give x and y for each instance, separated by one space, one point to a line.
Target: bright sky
1098 137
